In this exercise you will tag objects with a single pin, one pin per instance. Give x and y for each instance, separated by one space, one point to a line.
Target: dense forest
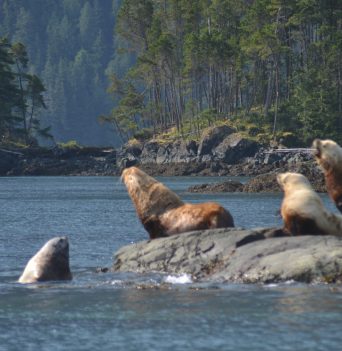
71 47
113 69
274 65
21 96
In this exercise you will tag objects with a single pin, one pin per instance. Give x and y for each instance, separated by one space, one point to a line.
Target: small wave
276 285
180 279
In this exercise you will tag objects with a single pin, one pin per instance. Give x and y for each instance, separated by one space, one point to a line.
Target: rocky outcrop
234 148
211 138
239 256
264 183
267 182
228 186
221 151
58 161
219 145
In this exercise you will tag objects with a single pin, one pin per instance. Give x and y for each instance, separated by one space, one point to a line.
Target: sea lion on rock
51 262
329 156
163 213
302 209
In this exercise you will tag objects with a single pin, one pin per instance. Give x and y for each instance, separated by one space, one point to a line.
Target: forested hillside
71 47
272 66
269 67
21 97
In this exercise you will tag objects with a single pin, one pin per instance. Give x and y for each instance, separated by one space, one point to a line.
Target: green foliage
21 95
182 65
143 134
274 67
69 145
9 92
71 47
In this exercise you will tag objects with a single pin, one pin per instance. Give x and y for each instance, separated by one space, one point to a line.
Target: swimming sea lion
163 213
329 156
302 209
51 262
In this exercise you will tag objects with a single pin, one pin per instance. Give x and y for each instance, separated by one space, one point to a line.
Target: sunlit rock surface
235 255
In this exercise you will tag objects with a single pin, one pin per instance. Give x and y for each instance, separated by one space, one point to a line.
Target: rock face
234 148
221 151
229 186
234 255
219 145
266 182
262 183
211 138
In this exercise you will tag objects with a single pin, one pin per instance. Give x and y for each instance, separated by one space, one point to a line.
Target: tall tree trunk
269 90
276 99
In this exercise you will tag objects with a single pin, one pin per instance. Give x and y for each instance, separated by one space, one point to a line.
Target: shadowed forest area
71 47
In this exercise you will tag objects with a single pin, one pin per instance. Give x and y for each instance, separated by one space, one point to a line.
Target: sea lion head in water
302 209
51 262
328 155
163 213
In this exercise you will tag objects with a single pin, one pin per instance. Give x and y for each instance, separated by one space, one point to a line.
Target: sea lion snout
281 179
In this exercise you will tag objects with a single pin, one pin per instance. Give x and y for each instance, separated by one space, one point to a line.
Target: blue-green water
115 311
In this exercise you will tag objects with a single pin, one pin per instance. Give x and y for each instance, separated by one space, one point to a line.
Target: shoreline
221 152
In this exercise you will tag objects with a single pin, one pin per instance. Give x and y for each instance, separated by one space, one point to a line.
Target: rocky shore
220 152
266 182
237 256
58 161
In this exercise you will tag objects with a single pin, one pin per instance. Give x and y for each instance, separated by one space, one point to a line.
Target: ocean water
110 311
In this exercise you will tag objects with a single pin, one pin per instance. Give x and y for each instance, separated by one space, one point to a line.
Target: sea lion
329 157
51 262
302 209
163 213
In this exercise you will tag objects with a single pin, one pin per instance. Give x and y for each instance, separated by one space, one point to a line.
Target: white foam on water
115 282
180 279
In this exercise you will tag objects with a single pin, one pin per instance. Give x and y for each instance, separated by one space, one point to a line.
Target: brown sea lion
329 156
51 262
302 209
163 213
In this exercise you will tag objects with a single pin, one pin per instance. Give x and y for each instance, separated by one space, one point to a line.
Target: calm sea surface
112 311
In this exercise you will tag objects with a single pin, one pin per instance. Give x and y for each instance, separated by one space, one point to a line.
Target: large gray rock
211 138
234 148
229 186
235 255
177 152
149 152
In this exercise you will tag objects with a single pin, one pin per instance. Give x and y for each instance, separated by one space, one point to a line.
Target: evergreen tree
9 93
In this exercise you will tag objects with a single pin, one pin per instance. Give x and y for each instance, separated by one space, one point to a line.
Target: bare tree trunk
269 91
276 99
